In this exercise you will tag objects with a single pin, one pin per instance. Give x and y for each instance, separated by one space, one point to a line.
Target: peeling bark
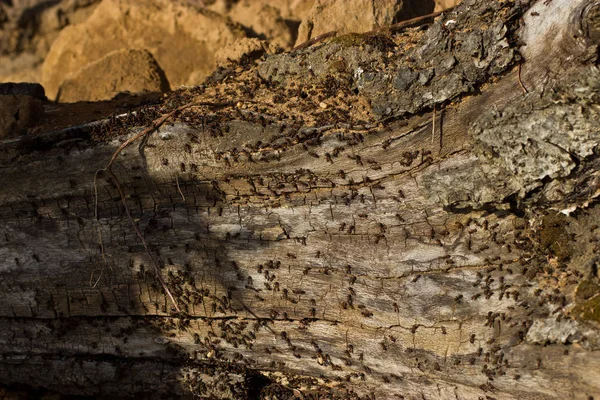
413 247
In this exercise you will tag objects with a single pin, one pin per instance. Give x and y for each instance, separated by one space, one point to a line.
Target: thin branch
179 188
520 81
97 280
433 126
441 129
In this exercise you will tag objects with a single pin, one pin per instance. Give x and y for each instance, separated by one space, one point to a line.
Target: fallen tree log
402 215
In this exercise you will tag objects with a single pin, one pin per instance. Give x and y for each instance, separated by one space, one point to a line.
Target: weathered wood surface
310 257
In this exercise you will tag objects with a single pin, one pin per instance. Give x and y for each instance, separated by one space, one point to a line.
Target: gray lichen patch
537 138
534 144
564 331
465 183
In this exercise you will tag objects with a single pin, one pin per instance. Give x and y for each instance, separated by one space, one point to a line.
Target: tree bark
394 215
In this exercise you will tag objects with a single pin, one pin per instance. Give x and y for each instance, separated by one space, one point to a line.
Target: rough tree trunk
375 215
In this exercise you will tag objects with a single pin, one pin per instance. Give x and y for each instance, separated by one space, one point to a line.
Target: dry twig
520 81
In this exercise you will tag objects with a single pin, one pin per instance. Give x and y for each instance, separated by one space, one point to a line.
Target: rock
290 10
357 16
443 4
32 25
17 113
250 48
23 67
546 331
181 37
3 15
28 31
21 107
276 22
295 9
26 89
264 20
347 16
134 71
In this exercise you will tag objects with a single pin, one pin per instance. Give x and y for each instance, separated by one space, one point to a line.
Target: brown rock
251 48
357 16
28 30
17 113
23 88
3 15
347 16
134 71
443 4
295 9
290 10
32 25
181 37
264 20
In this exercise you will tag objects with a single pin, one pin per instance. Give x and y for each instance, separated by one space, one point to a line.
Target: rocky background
91 50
